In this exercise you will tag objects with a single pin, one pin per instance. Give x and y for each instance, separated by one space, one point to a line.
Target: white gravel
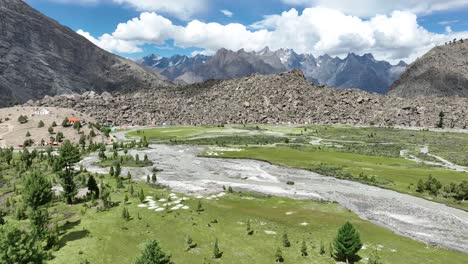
414 217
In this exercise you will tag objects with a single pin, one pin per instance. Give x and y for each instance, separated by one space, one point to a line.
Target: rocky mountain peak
443 71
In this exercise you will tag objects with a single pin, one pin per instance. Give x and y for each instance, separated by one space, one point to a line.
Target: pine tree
51 130
154 179
117 170
286 242
420 187
347 243
126 198
111 171
28 134
153 254
199 206
216 252
92 186
19 246
129 175
142 195
304 249
147 178
322 248
40 124
249 228
279 256
131 190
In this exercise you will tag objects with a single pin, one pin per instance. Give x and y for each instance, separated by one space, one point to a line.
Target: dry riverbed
414 217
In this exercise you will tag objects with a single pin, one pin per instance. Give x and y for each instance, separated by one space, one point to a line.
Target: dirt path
441 161
414 217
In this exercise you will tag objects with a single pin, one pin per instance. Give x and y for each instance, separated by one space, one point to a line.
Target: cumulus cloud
316 30
369 8
183 9
112 44
227 13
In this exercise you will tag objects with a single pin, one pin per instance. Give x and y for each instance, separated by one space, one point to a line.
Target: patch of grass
105 237
131 163
397 171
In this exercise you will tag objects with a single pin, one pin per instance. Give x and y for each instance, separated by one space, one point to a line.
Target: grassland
360 153
89 235
104 237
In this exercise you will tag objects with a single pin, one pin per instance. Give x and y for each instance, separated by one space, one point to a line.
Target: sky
390 30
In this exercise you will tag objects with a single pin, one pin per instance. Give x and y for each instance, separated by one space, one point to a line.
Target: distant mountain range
363 72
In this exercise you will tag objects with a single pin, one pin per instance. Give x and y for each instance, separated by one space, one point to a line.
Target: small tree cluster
125 214
432 185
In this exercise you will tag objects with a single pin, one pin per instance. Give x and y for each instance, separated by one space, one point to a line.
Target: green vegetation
368 155
124 161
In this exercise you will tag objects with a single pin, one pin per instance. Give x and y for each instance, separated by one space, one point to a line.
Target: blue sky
401 30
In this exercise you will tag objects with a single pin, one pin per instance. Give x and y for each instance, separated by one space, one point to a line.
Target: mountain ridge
278 98
40 57
443 71
353 71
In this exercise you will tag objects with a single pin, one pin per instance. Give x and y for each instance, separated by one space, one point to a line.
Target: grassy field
359 152
127 161
104 237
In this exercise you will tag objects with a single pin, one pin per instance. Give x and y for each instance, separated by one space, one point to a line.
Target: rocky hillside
284 97
443 71
40 57
363 72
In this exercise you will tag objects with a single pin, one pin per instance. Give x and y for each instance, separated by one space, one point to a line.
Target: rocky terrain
284 97
38 57
363 72
443 71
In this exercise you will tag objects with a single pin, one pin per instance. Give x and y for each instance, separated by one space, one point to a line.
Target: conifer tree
347 243
249 228
286 242
304 249
322 248
142 195
216 252
111 171
153 254
279 256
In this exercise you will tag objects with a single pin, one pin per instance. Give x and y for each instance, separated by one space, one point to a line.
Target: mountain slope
443 71
363 72
40 57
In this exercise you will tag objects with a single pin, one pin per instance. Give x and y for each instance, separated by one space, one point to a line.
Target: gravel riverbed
407 215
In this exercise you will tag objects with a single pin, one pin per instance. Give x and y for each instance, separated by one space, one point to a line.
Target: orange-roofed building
73 120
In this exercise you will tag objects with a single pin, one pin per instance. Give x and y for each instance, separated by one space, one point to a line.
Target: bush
22 119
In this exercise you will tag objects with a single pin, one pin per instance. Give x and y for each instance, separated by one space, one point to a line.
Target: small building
73 120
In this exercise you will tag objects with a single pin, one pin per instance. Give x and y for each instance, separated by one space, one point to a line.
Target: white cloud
316 30
112 44
448 29
183 9
227 13
369 8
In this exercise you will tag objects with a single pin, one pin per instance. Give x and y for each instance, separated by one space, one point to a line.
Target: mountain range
354 71
39 57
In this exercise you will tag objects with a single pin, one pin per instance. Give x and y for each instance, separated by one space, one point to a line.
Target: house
73 120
